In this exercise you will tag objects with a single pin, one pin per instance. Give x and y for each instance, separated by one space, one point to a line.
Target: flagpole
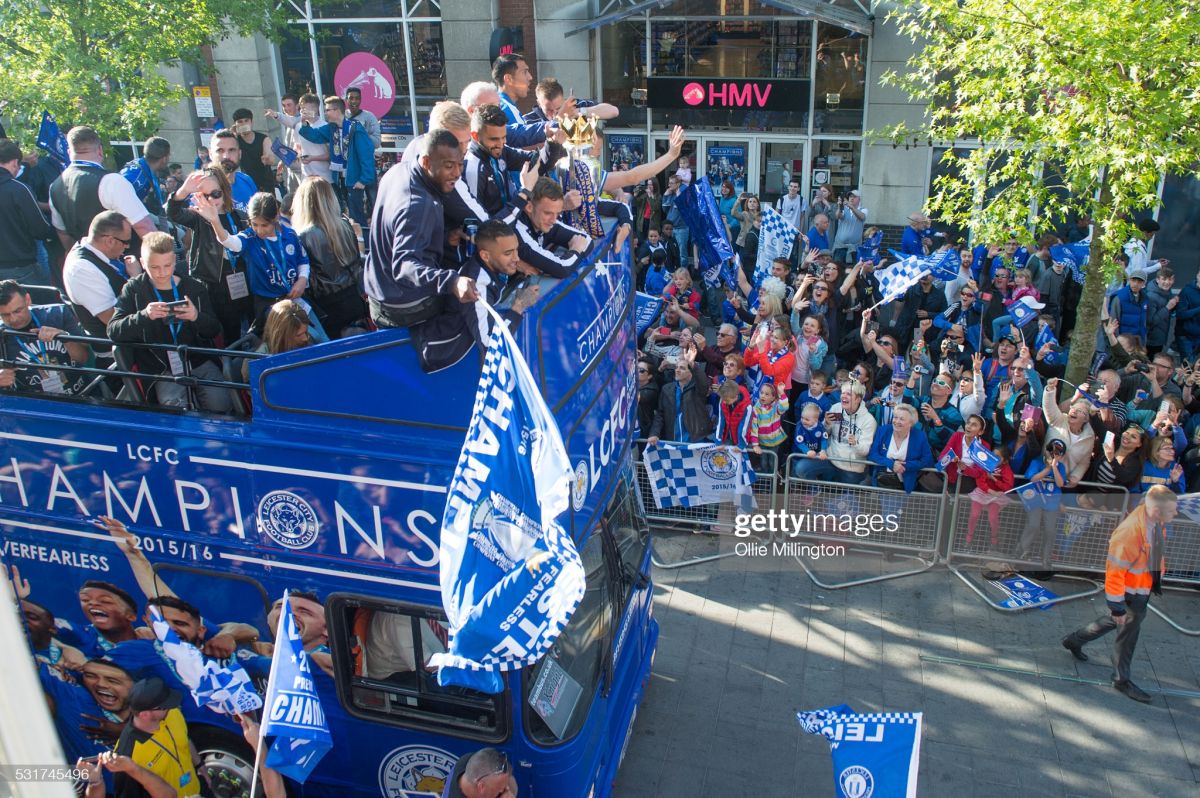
262 723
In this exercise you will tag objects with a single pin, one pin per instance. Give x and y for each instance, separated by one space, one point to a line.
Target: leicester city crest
718 463
856 782
288 519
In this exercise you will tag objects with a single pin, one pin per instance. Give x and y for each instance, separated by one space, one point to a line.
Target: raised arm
645 171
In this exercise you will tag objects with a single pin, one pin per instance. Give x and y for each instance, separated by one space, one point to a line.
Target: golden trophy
583 172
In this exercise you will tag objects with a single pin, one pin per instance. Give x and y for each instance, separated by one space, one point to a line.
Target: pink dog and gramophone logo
370 75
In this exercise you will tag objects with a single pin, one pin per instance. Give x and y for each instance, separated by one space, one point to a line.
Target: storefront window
839 88
365 9
372 56
781 163
623 56
835 164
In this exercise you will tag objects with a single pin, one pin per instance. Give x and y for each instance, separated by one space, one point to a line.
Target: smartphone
873 326
1056 348
177 305
1110 440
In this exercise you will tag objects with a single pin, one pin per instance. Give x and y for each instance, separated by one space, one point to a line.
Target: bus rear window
381 655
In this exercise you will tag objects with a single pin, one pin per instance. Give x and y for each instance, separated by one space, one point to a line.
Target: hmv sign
721 94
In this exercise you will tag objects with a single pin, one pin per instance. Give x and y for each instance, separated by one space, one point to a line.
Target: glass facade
818 70
394 54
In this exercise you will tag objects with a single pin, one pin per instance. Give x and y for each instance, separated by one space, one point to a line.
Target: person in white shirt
95 272
791 205
851 430
73 204
314 155
1137 253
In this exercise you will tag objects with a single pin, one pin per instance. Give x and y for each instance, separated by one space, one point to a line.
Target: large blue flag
52 140
645 310
874 754
511 576
776 238
896 279
1075 256
698 207
222 688
293 715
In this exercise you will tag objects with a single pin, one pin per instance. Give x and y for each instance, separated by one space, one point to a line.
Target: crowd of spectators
877 395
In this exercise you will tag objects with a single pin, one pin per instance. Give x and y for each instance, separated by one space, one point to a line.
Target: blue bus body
336 485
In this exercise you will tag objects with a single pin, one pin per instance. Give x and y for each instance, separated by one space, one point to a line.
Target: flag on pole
874 754
293 715
1024 310
645 310
869 249
943 264
776 238
504 556
981 456
222 688
52 140
698 207
896 279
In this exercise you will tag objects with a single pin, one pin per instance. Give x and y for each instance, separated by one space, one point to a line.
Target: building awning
854 20
609 17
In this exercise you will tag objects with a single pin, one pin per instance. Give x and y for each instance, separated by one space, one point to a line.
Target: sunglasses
124 241
820 288
504 765
214 195
887 343
898 384
643 371
942 383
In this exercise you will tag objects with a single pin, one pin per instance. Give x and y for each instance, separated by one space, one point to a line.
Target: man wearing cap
1134 570
154 751
913 240
851 218
1131 307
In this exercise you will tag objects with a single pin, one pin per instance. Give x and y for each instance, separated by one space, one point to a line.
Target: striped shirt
766 426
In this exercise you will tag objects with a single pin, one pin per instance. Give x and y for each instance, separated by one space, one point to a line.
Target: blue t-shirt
824 401
243 188
71 702
657 280
1049 494
817 240
273 264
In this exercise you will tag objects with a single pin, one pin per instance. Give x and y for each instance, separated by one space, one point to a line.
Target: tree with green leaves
1079 106
96 63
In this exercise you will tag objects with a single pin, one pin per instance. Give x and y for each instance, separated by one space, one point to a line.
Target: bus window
381 660
631 533
561 686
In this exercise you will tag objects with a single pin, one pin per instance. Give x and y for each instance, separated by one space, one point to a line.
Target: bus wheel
228 761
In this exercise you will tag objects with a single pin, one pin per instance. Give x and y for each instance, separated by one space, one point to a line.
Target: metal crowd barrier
912 522
1182 556
708 518
1073 537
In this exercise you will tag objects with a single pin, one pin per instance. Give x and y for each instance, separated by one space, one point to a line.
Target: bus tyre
228 760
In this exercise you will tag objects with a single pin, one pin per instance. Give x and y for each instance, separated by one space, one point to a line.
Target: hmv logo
728 95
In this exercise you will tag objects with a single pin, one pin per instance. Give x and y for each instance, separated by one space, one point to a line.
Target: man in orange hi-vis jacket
1134 570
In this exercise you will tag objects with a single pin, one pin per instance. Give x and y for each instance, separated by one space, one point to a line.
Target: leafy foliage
90 62
1080 106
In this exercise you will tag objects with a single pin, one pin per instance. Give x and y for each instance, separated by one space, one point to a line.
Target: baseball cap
1138 274
153 693
853 193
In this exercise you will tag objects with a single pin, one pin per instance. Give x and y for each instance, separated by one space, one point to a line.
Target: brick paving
744 646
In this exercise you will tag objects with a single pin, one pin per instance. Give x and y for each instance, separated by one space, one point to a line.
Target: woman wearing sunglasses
939 418
222 272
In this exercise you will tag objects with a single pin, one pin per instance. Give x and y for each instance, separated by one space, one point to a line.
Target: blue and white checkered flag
896 279
1189 505
776 237
222 688
689 475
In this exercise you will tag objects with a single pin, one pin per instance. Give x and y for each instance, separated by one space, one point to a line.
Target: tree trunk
1087 315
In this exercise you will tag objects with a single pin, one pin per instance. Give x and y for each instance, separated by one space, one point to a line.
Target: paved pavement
744 646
